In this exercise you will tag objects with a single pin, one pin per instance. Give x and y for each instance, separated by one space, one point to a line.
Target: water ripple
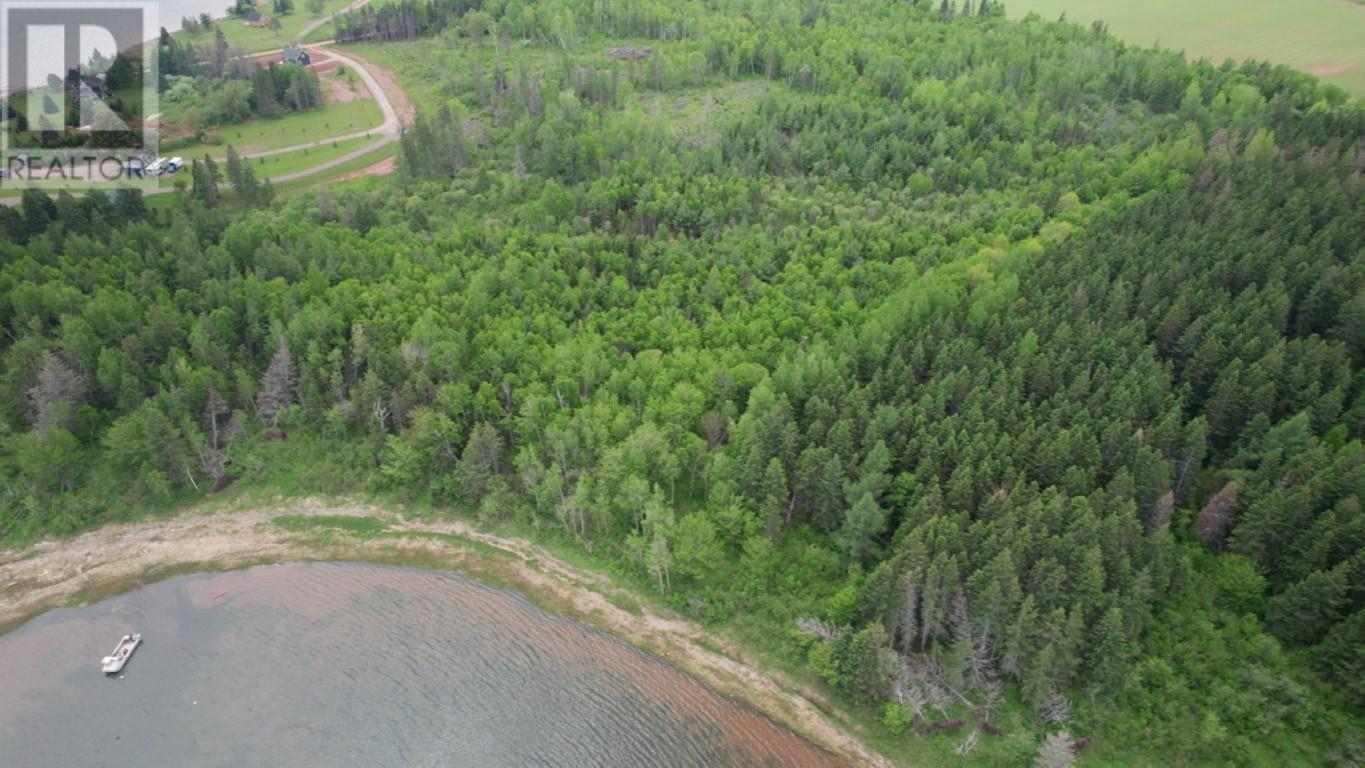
358 665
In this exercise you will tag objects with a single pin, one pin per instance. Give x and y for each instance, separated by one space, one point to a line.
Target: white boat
113 663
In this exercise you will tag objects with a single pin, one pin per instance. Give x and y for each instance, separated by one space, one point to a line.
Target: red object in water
220 594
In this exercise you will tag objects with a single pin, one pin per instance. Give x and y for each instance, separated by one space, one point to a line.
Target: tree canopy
968 363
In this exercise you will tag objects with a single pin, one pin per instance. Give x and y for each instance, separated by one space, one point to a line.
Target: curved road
387 132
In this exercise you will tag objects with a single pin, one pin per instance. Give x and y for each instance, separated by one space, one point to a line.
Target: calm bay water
44 44
172 11
342 664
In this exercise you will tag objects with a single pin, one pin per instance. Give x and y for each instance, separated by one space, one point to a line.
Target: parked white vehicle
164 166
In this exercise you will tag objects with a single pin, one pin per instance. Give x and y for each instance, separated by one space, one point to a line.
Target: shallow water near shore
352 664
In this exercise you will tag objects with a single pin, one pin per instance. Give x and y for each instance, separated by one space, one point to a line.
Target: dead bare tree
810 625
981 658
993 693
906 688
1161 512
966 747
277 386
213 462
924 673
959 623
381 413
56 394
214 407
1055 709
1216 518
1055 752
907 626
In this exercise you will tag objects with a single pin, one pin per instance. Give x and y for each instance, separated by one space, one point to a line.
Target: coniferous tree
1341 655
1305 611
480 460
205 178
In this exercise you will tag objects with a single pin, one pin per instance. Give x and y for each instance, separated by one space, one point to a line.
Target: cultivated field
1322 37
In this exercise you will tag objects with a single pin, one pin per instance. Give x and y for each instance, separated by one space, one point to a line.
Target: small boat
114 662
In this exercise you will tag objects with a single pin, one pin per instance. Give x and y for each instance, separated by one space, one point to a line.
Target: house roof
294 54
252 15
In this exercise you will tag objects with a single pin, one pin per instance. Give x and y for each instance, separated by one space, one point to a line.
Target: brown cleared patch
401 103
382 168
336 89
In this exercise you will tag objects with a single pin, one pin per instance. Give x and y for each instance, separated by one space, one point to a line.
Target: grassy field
1322 37
307 183
289 162
335 119
258 39
420 67
365 161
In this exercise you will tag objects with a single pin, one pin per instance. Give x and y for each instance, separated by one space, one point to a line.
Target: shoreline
120 557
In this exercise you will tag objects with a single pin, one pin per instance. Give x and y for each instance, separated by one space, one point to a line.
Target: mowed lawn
335 119
1322 37
303 159
258 39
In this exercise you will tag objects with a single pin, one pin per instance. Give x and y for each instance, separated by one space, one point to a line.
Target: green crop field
1322 37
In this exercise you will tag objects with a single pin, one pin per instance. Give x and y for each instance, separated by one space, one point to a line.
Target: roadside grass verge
326 178
303 159
166 200
264 135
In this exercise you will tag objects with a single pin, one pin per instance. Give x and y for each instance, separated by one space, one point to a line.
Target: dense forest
978 367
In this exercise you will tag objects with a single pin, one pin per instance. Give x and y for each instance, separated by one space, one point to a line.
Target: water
342 664
44 44
170 12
